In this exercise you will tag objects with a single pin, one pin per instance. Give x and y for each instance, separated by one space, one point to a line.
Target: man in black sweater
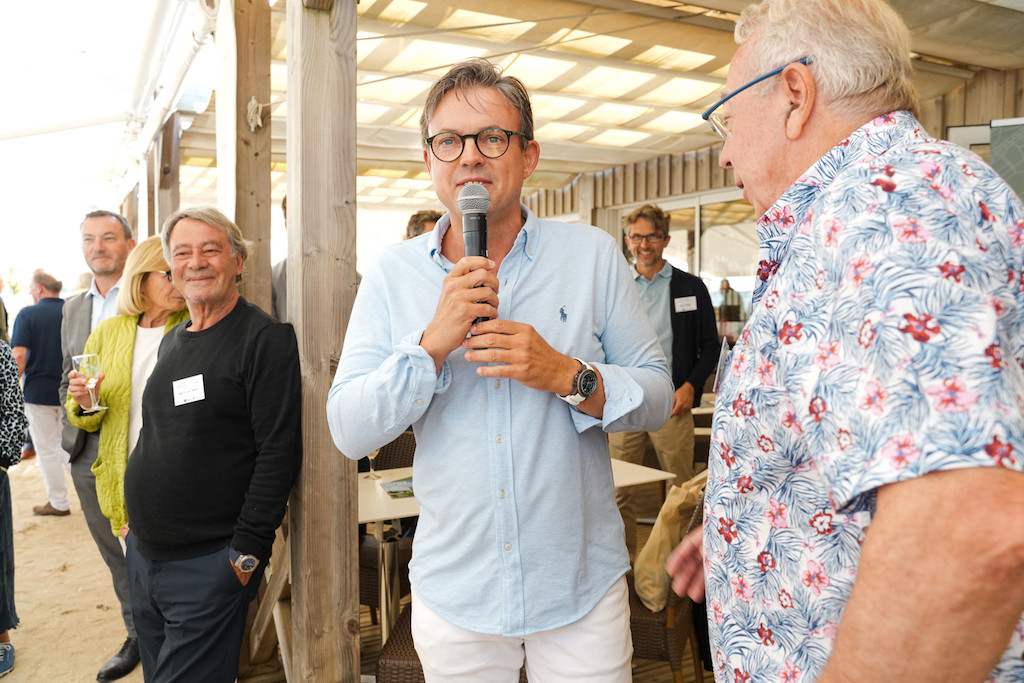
219 451
680 309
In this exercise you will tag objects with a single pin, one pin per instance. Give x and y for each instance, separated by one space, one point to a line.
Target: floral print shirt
886 341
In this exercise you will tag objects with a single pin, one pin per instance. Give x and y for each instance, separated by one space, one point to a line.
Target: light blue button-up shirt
103 307
518 530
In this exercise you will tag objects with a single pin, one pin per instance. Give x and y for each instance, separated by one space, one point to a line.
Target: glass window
728 261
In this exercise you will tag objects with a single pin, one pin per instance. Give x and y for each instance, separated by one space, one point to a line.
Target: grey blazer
74 330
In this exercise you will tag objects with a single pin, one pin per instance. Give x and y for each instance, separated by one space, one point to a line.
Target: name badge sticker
189 390
685 303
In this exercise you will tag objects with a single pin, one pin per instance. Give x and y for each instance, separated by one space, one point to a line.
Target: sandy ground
70 620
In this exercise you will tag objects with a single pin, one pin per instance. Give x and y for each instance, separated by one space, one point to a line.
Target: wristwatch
584 384
245 563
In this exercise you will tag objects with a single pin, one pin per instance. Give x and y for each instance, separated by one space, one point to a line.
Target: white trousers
45 426
595 649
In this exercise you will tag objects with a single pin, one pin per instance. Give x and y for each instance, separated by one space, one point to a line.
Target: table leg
388 599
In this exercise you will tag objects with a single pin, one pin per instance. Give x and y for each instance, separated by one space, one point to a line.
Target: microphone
473 202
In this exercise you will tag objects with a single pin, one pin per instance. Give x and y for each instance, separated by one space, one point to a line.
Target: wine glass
371 474
88 365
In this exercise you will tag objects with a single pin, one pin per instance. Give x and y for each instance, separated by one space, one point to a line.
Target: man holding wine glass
106 240
220 448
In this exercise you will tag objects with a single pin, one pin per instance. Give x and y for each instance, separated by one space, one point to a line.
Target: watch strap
575 398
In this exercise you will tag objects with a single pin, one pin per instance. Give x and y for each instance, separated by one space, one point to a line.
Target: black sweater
695 343
217 468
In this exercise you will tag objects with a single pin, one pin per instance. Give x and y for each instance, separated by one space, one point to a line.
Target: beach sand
70 619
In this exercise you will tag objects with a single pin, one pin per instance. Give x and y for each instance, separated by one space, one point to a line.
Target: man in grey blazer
106 240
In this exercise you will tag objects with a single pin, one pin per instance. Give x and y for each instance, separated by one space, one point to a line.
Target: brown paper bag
652 581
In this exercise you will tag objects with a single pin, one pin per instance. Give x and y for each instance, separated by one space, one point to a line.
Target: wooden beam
322 284
150 191
168 196
252 151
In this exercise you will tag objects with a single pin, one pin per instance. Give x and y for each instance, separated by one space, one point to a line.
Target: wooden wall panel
689 172
633 183
953 108
930 114
651 168
703 170
984 97
676 175
1013 89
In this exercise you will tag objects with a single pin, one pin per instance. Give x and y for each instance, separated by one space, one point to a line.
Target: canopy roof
613 81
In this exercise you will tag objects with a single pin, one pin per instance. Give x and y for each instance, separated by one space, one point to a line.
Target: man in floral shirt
864 517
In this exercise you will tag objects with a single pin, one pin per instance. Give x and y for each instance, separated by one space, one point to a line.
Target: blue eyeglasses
718 123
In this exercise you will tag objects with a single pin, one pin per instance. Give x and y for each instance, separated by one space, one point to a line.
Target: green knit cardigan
114 341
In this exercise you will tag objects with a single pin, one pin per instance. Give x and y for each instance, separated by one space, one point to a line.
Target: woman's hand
78 390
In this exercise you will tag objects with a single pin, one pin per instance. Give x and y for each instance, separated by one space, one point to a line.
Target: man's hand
526 357
686 566
682 400
243 578
469 291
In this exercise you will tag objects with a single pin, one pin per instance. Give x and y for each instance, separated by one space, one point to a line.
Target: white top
147 343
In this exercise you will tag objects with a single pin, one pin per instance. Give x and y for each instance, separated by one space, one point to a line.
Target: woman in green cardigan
127 345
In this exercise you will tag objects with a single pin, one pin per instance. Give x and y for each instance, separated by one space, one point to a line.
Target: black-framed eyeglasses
492 143
718 122
655 238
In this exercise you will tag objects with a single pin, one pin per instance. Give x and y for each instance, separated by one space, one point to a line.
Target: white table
375 505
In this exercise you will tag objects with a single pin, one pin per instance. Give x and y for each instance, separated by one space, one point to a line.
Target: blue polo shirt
37 328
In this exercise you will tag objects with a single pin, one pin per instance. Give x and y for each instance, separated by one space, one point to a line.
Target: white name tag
686 303
189 390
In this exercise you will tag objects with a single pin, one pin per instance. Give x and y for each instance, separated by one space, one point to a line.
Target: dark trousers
190 616
99 525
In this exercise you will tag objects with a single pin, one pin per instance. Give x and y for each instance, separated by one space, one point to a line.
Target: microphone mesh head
474 198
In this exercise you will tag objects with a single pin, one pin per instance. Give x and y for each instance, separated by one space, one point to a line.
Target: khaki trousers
673 444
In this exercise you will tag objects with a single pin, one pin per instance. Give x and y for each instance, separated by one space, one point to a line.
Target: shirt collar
870 140
94 291
528 237
665 272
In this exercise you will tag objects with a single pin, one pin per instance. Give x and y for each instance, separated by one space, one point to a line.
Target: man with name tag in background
510 367
219 451
681 311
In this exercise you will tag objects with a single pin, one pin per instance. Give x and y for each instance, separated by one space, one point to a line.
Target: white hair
861 50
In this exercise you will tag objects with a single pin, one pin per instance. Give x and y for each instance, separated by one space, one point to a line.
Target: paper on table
400 488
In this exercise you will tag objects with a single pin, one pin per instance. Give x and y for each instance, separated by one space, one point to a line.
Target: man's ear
532 155
800 90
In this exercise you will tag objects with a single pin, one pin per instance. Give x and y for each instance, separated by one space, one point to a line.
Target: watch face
588 382
247 563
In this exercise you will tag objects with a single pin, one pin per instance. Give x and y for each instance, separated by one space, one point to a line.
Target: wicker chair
663 635
398 453
398 661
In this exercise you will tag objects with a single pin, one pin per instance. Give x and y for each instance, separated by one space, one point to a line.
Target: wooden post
322 284
168 183
252 151
150 190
